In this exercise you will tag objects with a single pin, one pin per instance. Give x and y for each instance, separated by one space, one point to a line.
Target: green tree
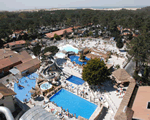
139 49
117 66
27 43
95 72
130 36
119 43
57 37
53 49
7 81
146 74
37 49
1 43
96 33
65 34
90 33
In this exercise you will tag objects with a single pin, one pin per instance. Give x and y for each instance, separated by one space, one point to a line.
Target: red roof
18 31
16 43
59 32
29 64
7 62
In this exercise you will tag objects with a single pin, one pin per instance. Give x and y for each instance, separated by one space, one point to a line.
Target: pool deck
71 71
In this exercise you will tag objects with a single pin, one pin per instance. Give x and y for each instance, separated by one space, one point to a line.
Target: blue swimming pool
75 104
69 48
75 80
26 85
76 59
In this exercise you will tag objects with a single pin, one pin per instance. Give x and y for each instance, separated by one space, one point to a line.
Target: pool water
45 86
75 104
76 59
69 48
75 80
27 83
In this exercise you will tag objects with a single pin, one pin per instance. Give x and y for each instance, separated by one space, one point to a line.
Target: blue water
76 59
75 104
46 86
75 80
23 92
70 48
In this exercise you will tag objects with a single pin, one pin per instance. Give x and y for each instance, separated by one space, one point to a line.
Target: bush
117 66
57 37
53 49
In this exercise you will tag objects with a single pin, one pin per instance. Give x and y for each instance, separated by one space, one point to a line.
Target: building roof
18 31
5 53
24 56
124 112
16 43
5 91
8 61
121 76
59 32
24 66
15 58
140 103
38 113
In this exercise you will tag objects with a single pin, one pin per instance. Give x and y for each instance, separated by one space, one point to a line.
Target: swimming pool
76 59
27 83
45 86
75 104
75 80
69 48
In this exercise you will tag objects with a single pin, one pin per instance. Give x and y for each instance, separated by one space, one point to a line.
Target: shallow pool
69 48
75 80
76 59
75 104
45 86
26 84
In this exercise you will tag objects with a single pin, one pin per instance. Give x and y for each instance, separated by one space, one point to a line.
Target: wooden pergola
121 76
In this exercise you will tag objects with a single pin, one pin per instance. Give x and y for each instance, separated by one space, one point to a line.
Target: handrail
6 112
